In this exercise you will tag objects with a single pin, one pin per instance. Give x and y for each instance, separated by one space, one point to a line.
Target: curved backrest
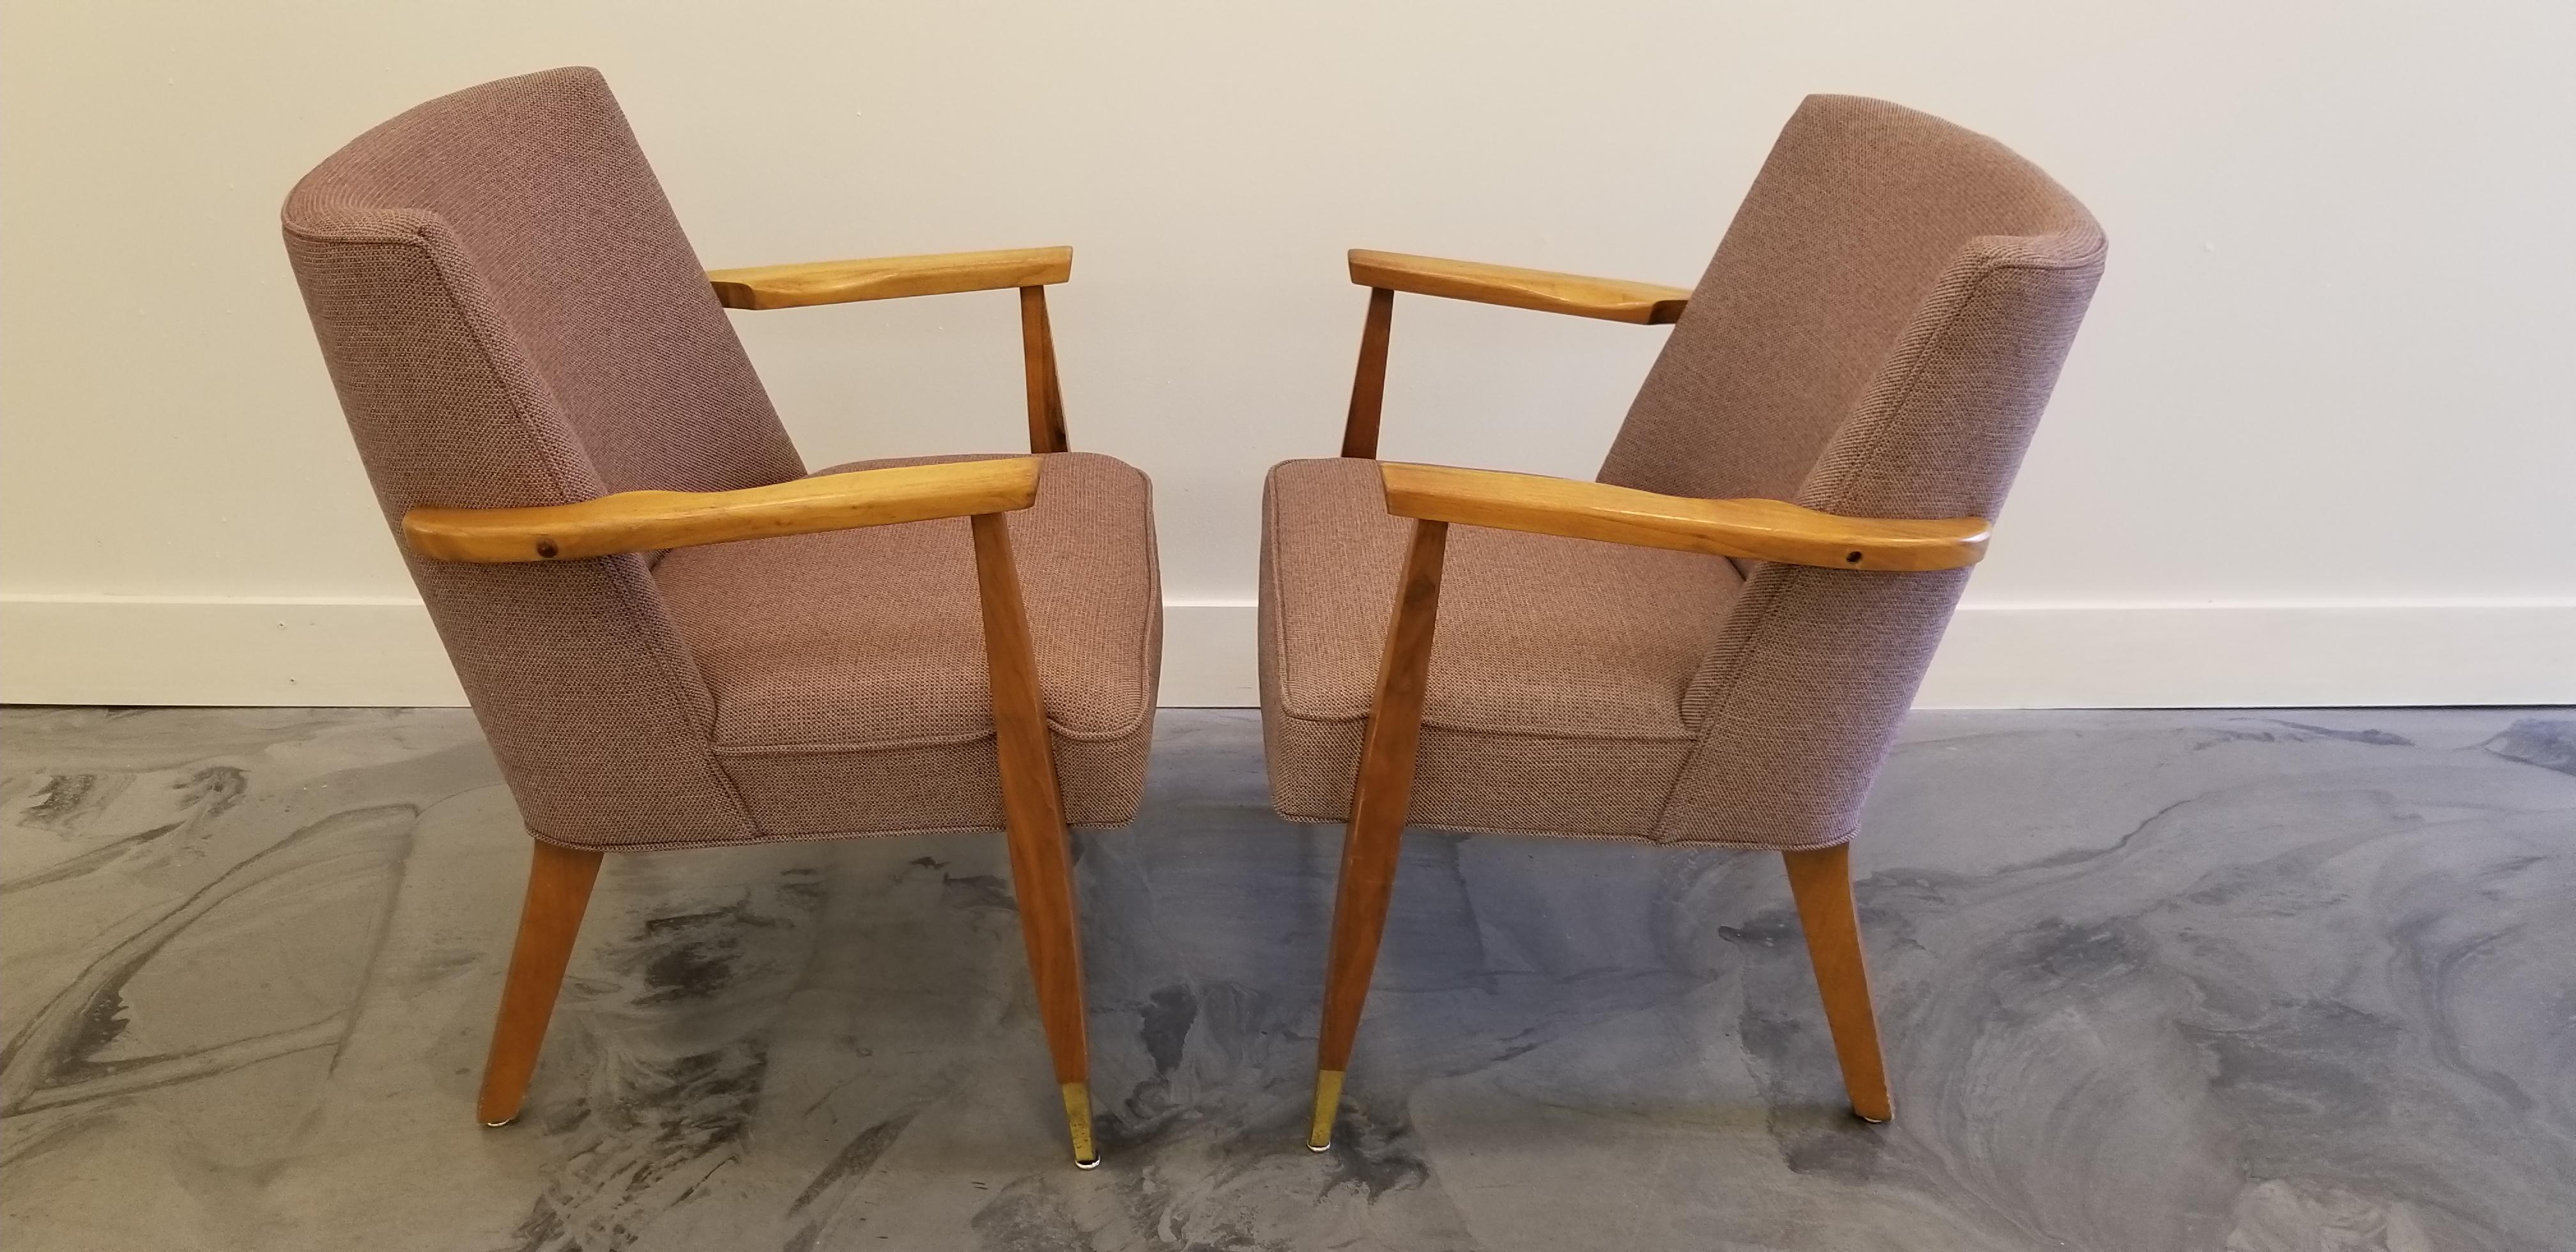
1876 337
512 317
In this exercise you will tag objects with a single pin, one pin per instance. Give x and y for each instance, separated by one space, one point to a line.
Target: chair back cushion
1876 337
512 317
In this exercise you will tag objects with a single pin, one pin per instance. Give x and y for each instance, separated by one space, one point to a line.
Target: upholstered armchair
674 636
1712 644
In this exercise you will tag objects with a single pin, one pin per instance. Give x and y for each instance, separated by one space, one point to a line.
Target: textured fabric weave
1557 677
1876 336
512 317
1991 265
848 667
535 191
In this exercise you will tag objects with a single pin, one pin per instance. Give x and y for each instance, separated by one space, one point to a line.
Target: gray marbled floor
2151 980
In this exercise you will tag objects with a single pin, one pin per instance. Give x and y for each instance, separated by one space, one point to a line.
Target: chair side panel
1802 694
580 681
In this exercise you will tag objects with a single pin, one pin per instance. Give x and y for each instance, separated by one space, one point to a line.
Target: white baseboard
128 650
216 650
1209 656
2254 655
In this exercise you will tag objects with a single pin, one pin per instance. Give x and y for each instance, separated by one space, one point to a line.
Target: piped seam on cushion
1456 728
929 741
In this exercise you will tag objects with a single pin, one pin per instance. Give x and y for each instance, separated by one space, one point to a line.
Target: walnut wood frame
1438 496
560 878
1030 270
648 521
1545 291
1761 530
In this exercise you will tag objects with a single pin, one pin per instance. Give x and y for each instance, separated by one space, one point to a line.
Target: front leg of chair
1821 880
559 883
1383 795
1033 811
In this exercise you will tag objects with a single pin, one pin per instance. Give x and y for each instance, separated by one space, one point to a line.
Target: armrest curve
887 278
1762 530
644 521
1546 291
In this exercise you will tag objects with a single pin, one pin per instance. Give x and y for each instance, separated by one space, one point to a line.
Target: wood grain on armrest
887 278
1610 299
643 521
1762 530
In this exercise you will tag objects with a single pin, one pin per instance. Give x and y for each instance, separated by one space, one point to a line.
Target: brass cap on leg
1328 1100
1077 1118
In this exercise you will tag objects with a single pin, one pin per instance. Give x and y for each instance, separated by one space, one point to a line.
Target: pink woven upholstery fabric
512 317
1557 676
1876 336
848 667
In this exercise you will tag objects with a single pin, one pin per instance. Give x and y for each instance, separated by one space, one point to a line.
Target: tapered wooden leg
1821 881
1376 832
1033 810
559 883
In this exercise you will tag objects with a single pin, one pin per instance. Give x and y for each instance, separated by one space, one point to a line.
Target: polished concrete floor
2258 982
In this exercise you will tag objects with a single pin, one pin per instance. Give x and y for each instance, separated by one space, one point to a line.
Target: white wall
2316 444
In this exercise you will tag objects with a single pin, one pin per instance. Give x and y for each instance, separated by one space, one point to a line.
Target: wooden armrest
643 521
1762 530
1610 299
887 278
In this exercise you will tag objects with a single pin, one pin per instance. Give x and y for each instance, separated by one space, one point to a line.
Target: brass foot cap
1328 1100
1077 1120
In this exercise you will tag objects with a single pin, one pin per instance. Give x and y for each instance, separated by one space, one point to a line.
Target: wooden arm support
888 278
1610 299
1761 530
1030 270
644 521
1386 273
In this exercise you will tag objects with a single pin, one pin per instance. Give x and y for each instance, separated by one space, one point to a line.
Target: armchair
1715 642
673 636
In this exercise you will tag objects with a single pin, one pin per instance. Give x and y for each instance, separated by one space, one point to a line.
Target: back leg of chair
559 883
1821 881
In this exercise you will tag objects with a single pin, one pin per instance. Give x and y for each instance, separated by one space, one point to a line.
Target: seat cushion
847 668
1557 670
